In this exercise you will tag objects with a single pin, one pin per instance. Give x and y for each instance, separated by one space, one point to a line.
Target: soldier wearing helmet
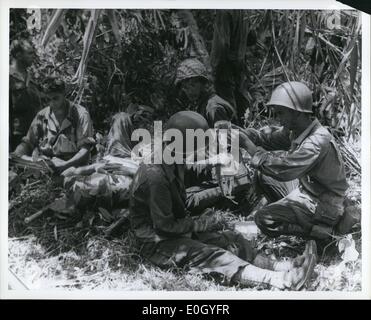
168 236
302 149
195 93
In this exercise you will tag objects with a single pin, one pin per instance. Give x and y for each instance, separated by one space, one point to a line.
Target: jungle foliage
112 58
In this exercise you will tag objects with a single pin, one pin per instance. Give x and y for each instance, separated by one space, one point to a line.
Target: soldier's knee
265 222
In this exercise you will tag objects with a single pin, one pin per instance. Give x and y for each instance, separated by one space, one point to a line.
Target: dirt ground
110 265
51 255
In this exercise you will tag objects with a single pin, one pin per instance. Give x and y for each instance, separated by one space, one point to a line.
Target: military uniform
168 237
108 189
248 188
111 188
164 229
316 205
209 105
119 142
270 139
62 140
218 109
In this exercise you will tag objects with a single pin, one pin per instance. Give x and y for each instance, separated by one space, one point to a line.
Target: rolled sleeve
84 131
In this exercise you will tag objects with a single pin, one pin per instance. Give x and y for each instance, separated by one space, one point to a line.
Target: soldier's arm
270 138
164 221
85 141
216 111
30 141
216 114
285 165
85 131
79 159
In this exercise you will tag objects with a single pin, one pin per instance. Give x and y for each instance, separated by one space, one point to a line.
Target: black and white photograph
185 149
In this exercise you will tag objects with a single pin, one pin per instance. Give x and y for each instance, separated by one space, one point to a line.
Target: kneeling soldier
315 207
169 237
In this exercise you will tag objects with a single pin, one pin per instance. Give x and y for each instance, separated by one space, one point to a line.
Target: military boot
293 279
265 262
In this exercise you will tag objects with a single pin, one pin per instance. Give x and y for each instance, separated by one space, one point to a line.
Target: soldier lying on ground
108 180
168 237
61 133
195 93
303 150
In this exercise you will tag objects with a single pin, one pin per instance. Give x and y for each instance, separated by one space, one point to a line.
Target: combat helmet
184 120
293 95
190 68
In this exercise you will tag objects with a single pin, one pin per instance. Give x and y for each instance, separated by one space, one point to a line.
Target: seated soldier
195 93
168 237
62 132
308 153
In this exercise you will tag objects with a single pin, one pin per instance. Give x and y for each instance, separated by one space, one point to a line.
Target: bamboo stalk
53 25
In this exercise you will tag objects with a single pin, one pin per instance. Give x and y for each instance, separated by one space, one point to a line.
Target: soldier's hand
244 140
207 223
58 165
267 130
